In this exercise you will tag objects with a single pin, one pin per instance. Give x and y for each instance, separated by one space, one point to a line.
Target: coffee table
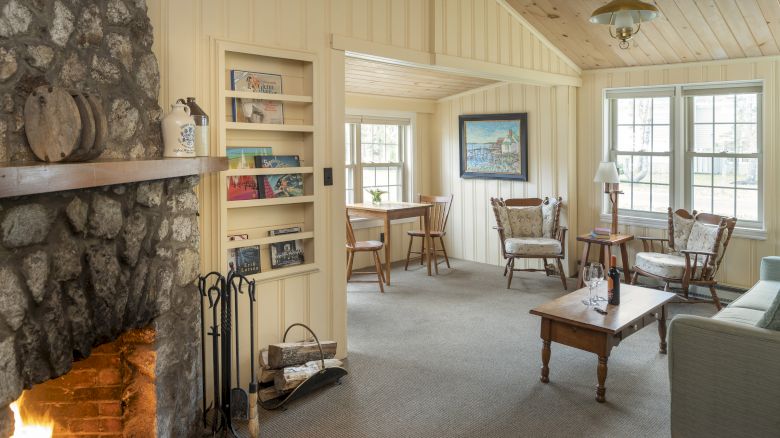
569 322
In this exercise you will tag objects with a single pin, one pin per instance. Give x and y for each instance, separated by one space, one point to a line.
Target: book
599 230
282 185
244 260
288 253
256 110
244 187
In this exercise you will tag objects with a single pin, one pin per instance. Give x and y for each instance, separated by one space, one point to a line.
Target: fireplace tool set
230 403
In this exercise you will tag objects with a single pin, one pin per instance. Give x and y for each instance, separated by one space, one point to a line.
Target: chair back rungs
440 211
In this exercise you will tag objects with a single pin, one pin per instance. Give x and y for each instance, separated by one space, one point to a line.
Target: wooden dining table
388 211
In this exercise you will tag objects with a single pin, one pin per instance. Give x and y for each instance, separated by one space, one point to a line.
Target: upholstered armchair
691 255
528 229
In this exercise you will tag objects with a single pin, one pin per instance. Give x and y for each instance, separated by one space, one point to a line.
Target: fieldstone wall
100 46
79 268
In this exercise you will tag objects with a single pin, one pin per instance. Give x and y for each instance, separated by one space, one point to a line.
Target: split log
290 377
263 358
267 375
287 354
269 393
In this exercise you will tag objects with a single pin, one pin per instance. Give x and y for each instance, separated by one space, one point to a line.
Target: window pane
641 168
702 171
661 110
625 111
747 139
660 197
660 170
369 177
723 202
624 200
661 138
747 108
702 199
643 136
702 109
747 172
723 172
702 138
381 176
747 205
394 194
643 111
724 138
624 167
724 109
642 197
625 138
348 143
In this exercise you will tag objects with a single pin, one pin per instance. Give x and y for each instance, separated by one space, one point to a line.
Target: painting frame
501 120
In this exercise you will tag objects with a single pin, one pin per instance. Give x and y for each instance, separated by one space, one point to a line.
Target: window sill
663 224
360 223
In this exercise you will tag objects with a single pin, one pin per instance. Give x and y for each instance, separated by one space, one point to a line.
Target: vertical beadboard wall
551 131
741 264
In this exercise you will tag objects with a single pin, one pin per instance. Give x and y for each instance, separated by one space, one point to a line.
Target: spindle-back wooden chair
355 246
439 213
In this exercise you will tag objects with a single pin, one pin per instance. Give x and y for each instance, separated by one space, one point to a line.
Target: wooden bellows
64 126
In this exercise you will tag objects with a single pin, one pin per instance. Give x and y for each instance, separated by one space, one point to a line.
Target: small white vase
178 129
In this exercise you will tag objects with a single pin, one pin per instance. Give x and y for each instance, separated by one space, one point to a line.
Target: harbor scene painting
494 146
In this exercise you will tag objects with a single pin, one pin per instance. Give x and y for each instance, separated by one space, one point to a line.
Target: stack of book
600 233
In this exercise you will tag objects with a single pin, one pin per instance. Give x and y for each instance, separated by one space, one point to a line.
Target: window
693 147
375 151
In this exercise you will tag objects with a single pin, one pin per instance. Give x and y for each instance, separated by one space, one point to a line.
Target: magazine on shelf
282 185
256 110
288 253
244 260
243 187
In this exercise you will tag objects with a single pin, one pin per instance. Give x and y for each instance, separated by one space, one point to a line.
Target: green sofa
724 372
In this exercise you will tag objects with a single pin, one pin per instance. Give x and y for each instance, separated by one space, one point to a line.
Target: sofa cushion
663 265
533 246
739 315
759 297
771 318
525 221
548 218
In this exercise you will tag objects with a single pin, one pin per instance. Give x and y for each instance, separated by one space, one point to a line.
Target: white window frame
409 183
681 159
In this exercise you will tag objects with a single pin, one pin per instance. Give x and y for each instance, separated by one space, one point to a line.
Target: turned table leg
602 375
545 378
662 330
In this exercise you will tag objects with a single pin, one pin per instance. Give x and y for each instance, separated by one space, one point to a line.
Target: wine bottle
613 282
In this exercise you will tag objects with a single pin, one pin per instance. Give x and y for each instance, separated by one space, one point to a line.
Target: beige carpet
458 355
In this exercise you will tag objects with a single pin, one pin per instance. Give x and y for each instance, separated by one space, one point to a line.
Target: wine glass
597 275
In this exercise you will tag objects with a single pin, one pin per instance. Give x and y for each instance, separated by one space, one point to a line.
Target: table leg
387 250
662 330
545 378
602 252
626 268
602 375
608 249
427 223
583 263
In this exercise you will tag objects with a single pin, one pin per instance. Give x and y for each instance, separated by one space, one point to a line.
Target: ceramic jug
178 129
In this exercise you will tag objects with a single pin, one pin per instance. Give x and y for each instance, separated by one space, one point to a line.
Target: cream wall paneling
741 265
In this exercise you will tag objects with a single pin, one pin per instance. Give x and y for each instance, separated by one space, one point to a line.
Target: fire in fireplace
30 426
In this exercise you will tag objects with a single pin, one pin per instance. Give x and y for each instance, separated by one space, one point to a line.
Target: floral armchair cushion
682 231
703 237
548 218
521 221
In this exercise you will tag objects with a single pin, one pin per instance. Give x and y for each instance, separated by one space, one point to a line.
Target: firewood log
290 377
287 354
267 375
263 359
269 393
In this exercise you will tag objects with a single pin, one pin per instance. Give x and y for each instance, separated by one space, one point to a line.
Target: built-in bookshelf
298 135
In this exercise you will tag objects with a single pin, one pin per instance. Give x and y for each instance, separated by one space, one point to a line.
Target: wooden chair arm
653 238
648 243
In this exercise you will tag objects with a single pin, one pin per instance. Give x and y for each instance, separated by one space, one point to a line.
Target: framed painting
494 146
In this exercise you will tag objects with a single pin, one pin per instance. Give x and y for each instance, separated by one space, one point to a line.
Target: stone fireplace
99 316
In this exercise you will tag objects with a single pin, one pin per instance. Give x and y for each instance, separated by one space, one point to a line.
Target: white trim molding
663 224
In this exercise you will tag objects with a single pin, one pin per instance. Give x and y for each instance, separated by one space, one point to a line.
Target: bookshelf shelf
269 202
301 135
268 96
243 126
269 240
269 171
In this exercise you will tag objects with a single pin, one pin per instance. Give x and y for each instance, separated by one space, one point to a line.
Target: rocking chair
691 255
528 229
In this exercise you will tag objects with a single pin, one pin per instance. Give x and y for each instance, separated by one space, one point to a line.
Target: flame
30 427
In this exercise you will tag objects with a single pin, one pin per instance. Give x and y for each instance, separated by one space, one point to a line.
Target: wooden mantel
29 178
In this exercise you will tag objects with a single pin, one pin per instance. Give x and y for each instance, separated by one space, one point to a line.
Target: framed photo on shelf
494 146
256 110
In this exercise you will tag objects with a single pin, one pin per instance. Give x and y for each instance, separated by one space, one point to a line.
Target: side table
605 253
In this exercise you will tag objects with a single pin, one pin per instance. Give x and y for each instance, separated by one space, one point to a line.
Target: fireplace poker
215 355
239 404
254 423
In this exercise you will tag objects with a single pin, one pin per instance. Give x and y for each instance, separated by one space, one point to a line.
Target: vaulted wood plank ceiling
686 31
385 79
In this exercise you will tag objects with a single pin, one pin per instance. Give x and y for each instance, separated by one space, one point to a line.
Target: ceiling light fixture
623 15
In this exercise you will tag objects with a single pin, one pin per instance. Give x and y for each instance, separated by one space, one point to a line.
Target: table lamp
608 174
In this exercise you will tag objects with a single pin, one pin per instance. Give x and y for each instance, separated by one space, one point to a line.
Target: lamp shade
607 173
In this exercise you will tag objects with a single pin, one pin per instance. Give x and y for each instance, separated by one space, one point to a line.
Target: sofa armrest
723 378
770 268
